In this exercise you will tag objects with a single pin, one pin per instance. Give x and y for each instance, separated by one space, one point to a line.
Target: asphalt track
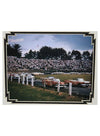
82 91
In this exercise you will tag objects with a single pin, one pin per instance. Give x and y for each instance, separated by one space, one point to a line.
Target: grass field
64 77
29 93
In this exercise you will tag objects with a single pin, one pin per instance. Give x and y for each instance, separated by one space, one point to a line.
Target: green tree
91 56
17 50
45 52
48 52
14 50
76 54
86 55
31 54
69 55
10 51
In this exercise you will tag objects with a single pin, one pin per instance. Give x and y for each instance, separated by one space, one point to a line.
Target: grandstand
51 65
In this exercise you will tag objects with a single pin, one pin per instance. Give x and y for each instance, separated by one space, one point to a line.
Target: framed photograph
49 67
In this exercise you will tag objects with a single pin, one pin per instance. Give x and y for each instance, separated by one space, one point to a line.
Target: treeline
57 53
48 53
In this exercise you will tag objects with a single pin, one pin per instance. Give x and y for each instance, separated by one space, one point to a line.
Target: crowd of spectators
17 64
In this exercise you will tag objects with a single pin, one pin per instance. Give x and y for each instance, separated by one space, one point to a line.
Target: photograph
49 67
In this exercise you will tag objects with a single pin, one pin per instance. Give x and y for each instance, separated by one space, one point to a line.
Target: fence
26 79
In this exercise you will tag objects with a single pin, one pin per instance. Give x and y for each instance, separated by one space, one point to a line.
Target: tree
31 54
91 56
86 55
69 55
61 53
14 50
48 52
45 52
17 50
10 51
76 54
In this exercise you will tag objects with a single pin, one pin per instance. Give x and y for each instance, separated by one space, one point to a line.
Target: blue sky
67 41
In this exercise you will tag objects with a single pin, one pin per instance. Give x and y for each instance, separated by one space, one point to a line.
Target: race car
51 81
78 82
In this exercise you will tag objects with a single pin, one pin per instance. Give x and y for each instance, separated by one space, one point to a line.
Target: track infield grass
29 93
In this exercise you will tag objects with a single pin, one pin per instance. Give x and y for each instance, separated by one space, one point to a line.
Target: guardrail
25 79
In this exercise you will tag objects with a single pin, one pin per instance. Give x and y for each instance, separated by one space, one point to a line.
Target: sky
67 41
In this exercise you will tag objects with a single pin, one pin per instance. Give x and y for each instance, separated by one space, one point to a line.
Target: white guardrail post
58 87
23 79
19 79
70 89
26 80
32 80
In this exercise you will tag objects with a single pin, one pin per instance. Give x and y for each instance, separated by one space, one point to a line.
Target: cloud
90 51
15 40
37 41
51 41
